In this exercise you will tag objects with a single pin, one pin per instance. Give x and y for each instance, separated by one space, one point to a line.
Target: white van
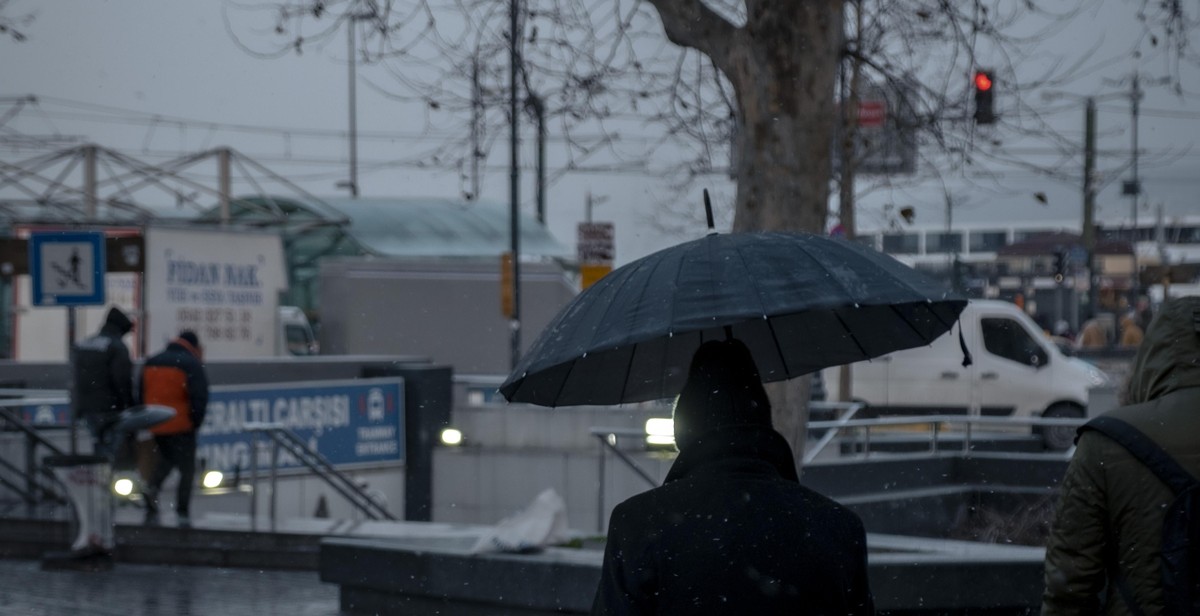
295 334
1016 372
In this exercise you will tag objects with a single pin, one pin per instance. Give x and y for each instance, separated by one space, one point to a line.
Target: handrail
935 422
33 488
830 434
607 438
282 436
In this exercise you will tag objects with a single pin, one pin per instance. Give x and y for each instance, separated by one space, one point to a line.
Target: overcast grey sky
176 59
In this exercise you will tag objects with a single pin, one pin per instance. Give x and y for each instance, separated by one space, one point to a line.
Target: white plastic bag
542 523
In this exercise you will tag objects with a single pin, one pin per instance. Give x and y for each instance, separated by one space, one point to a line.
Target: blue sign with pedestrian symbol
67 268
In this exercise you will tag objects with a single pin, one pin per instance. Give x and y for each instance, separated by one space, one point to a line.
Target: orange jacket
175 378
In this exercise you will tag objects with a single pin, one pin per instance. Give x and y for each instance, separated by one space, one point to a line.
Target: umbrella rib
787 371
662 383
762 309
909 323
618 291
850 332
845 289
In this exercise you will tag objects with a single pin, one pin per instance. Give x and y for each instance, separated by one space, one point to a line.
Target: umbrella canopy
800 302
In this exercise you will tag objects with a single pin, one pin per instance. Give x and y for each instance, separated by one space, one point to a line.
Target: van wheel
1060 438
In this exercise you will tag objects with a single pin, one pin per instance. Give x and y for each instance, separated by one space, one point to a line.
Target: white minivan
1016 371
295 334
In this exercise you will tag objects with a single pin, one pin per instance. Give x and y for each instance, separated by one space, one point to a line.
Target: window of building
943 242
901 243
987 241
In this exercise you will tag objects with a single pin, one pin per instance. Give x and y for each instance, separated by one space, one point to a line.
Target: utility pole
1135 190
1089 203
848 163
539 109
223 185
353 183
476 128
514 177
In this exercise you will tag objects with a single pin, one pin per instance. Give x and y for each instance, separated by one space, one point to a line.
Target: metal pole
540 108
514 181
89 182
846 183
1089 203
600 496
253 480
1136 96
71 325
353 107
274 478
223 184
476 128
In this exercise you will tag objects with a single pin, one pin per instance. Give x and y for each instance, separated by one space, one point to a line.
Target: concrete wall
513 452
448 311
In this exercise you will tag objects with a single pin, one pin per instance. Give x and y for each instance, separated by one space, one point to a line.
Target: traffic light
985 113
1060 266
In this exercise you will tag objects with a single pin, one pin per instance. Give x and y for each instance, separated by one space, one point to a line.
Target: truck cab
295 333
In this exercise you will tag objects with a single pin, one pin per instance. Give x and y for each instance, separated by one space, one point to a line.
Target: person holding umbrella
731 530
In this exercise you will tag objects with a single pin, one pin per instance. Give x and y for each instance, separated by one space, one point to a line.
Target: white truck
1016 371
224 285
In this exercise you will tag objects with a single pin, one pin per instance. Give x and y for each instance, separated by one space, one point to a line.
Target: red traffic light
983 81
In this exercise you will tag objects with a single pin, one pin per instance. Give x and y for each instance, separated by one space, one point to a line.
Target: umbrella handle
708 211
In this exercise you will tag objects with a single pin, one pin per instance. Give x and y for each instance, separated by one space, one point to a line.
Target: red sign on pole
871 114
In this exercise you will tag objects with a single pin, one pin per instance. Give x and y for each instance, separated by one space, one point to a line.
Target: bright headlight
212 479
660 431
123 487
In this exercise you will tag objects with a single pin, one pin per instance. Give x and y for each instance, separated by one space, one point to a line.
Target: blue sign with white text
348 422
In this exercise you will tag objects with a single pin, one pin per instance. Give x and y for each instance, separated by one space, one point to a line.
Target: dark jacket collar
730 443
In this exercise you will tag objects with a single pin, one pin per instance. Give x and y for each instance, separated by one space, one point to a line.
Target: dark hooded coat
104 371
732 531
1112 505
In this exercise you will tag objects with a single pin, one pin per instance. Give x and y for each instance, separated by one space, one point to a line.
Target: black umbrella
800 302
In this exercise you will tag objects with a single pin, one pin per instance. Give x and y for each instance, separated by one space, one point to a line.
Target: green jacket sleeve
1075 553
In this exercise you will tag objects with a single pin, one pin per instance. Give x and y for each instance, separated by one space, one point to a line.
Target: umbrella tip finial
708 211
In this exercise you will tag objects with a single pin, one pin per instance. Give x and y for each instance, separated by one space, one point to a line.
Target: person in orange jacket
176 378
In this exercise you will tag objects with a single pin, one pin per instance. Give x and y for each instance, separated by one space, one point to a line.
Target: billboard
223 285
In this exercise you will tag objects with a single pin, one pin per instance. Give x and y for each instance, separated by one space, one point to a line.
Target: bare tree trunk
789 413
785 76
782 65
786 116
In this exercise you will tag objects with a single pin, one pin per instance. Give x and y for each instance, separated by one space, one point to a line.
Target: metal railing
281 437
857 431
35 484
936 427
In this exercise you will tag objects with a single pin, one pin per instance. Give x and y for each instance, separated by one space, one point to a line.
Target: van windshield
299 341
1006 338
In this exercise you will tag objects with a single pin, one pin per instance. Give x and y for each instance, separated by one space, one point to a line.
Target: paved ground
151 590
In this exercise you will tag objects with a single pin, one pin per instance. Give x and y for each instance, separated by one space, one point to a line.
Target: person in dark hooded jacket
1111 506
731 530
103 373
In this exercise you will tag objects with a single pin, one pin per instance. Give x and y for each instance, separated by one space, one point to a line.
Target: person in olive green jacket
1106 488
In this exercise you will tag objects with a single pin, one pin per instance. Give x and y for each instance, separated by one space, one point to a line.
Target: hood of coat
117 322
1169 356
